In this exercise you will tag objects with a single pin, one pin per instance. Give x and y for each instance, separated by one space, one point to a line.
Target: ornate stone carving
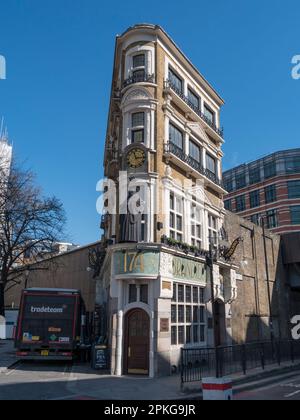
168 171
136 95
230 287
166 264
199 130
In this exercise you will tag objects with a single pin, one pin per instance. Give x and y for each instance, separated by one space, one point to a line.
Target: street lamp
262 223
210 260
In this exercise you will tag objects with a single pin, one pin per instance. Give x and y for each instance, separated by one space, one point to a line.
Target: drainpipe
119 343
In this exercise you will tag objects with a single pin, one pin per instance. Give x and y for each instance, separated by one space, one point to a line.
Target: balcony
191 165
169 85
146 78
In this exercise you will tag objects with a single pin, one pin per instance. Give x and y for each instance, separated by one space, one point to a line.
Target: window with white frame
176 217
139 67
213 229
138 127
196 226
139 60
188 315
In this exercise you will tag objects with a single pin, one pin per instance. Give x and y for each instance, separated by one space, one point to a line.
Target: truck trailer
51 325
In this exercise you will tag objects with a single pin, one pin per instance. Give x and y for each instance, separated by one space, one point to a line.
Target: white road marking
12 371
291 385
292 395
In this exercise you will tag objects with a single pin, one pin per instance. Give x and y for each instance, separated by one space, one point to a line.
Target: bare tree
30 224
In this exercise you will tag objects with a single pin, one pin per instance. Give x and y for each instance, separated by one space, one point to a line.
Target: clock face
136 158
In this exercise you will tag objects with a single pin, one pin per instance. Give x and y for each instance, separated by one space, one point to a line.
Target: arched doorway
220 324
137 343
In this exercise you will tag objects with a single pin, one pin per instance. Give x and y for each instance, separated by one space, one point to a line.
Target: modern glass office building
268 187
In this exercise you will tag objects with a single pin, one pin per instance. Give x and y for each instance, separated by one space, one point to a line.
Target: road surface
61 381
278 390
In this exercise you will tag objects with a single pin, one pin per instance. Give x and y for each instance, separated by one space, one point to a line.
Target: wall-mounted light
160 226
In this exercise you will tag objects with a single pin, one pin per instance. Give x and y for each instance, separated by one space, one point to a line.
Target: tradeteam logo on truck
46 310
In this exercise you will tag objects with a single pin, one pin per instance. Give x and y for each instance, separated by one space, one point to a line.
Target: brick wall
250 312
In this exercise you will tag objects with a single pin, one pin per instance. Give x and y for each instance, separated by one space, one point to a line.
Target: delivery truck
51 325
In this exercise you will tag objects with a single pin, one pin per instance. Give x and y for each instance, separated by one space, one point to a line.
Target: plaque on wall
166 285
164 325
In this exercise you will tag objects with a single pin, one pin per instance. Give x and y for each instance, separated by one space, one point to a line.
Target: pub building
164 134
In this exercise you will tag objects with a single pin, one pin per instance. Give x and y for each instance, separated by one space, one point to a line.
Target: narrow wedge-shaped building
164 215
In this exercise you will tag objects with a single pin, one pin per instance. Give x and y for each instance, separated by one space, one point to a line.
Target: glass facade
269 170
228 185
255 218
241 203
270 194
240 181
295 215
228 205
292 164
255 199
294 189
281 163
272 220
254 175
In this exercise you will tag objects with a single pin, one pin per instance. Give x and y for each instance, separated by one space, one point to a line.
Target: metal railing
145 78
206 362
178 152
170 85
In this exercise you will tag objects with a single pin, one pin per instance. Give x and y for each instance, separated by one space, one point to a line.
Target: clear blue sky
59 60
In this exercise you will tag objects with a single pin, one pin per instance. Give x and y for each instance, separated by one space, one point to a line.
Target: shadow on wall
290 245
271 320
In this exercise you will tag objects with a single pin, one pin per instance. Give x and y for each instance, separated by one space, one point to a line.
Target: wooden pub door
137 343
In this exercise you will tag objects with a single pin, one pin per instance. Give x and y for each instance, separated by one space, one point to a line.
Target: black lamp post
210 260
262 220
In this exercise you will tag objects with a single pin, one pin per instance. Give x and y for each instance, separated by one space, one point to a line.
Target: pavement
61 381
7 355
67 381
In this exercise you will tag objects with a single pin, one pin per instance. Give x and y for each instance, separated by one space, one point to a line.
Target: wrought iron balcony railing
137 78
170 85
173 149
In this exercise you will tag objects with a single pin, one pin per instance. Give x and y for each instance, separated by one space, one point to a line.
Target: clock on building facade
136 158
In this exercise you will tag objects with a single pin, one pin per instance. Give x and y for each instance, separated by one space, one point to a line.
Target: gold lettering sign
136 262
184 268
